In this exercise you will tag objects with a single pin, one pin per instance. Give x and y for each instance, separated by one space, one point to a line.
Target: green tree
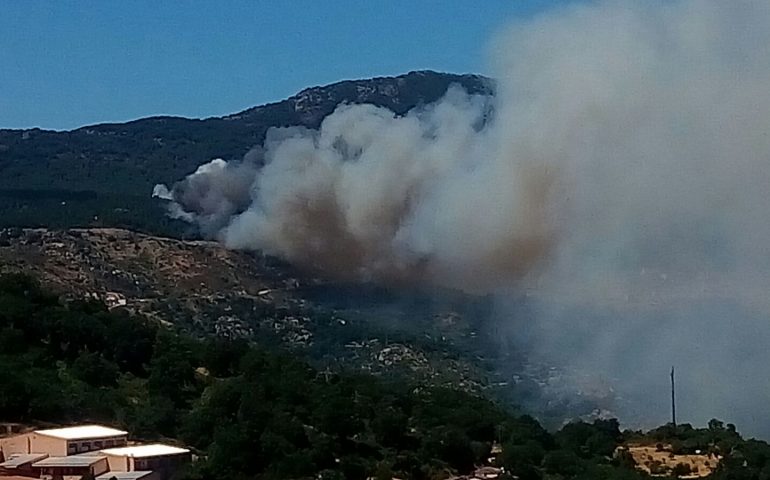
563 462
95 370
171 372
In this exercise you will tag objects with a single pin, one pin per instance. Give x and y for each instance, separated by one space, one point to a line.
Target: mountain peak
400 94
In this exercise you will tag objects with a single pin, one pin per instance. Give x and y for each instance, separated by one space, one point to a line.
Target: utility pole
673 399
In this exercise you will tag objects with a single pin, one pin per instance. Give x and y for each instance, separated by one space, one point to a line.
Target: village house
71 466
20 464
87 450
61 442
163 459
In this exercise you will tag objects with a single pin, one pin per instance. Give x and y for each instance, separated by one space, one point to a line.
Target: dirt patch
660 461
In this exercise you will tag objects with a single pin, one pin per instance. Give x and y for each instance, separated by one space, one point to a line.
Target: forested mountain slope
103 175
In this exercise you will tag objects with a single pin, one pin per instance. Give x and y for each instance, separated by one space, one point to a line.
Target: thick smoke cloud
619 176
655 116
372 195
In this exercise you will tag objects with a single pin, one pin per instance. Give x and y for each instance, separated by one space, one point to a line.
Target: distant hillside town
86 452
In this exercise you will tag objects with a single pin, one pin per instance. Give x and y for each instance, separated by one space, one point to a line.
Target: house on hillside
72 466
61 442
94 451
20 464
163 459
74 440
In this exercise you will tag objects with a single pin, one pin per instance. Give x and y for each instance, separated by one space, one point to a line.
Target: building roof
19 459
135 475
71 461
153 450
82 432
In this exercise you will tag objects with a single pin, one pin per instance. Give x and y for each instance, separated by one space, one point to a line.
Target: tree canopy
251 412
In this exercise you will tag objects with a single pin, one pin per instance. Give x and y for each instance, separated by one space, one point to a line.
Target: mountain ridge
119 163
474 83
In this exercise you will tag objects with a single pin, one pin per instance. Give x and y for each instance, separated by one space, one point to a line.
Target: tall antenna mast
673 399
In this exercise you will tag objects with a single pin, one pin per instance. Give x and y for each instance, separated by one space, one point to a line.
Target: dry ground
648 456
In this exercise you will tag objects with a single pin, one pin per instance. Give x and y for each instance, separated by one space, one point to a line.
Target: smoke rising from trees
619 176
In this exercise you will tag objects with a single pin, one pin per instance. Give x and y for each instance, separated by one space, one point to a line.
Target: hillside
102 175
440 337
211 291
251 413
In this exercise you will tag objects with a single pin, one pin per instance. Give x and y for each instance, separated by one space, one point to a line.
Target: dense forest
58 208
253 412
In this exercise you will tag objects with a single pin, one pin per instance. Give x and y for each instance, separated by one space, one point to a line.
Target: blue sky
64 64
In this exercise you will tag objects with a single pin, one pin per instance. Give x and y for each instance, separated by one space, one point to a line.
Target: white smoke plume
620 175
373 195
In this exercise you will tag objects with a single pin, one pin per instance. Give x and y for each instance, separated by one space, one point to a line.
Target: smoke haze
619 176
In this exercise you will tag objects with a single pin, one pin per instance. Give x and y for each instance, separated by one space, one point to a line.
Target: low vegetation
256 413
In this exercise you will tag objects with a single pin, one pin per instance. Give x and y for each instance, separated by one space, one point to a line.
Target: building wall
15 444
96 469
112 442
53 472
84 445
24 470
120 463
101 467
165 465
55 447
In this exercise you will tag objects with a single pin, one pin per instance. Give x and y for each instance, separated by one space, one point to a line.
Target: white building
74 466
60 442
74 440
100 451
163 459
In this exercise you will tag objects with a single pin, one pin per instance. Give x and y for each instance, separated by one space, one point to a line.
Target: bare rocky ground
209 290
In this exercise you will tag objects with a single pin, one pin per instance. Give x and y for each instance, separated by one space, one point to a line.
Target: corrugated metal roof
18 459
72 461
153 450
82 432
136 475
